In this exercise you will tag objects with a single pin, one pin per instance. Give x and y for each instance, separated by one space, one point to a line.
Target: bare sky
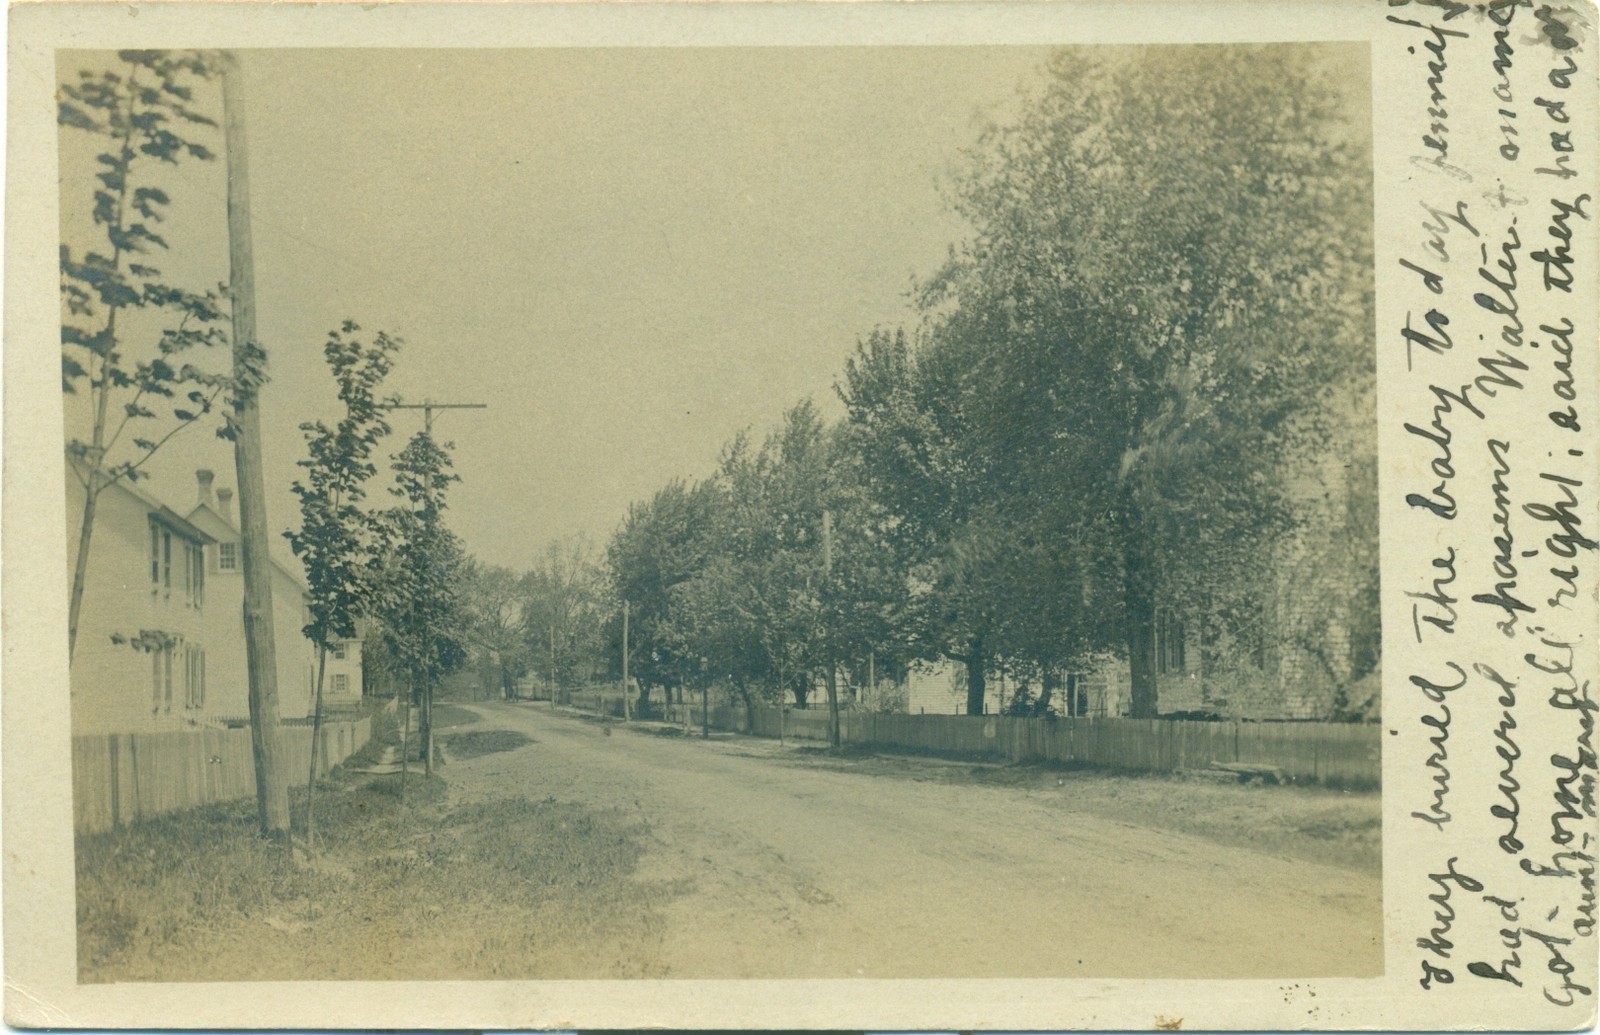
629 254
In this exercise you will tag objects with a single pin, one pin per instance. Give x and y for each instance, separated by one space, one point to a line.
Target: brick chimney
225 504
205 478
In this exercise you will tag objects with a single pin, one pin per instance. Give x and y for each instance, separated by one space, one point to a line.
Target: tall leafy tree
565 609
867 598
717 616
419 569
337 538
793 580
783 496
829 556
497 600
125 329
764 564
1107 412
911 421
662 542
1168 273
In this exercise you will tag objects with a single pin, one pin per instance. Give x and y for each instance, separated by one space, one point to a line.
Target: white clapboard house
160 640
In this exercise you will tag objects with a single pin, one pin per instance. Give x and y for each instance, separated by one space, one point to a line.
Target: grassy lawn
474 743
508 888
448 716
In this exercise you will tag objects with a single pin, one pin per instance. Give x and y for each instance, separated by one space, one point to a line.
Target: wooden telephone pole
427 406
261 656
827 585
626 717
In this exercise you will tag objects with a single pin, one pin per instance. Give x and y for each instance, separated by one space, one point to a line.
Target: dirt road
781 868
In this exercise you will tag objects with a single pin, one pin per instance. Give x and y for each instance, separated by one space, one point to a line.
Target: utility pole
425 725
427 406
626 717
261 656
827 584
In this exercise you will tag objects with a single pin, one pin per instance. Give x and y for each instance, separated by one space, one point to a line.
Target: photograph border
42 988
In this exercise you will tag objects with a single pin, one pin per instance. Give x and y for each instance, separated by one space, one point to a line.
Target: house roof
166 516
158 510
209 514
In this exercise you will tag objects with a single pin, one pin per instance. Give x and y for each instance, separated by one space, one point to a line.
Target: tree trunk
832 681
316 742
1048 690
975 676
425 728
80 566
1139 603
405 738
261 655
783 702
102 404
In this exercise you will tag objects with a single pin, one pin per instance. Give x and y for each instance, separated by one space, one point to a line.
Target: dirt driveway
782 868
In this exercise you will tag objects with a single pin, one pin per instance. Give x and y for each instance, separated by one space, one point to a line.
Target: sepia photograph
1027 516
719 513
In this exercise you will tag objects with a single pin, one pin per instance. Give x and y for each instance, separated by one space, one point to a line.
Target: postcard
1010 516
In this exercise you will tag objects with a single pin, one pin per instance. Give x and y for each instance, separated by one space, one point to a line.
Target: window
227 556
191 565
1169 643
199 575
338 651
161 676
194 677
341 683
1076 686
194 574
160 558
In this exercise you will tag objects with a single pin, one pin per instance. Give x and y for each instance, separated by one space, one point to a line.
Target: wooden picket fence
1335 754
121 778
596 702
